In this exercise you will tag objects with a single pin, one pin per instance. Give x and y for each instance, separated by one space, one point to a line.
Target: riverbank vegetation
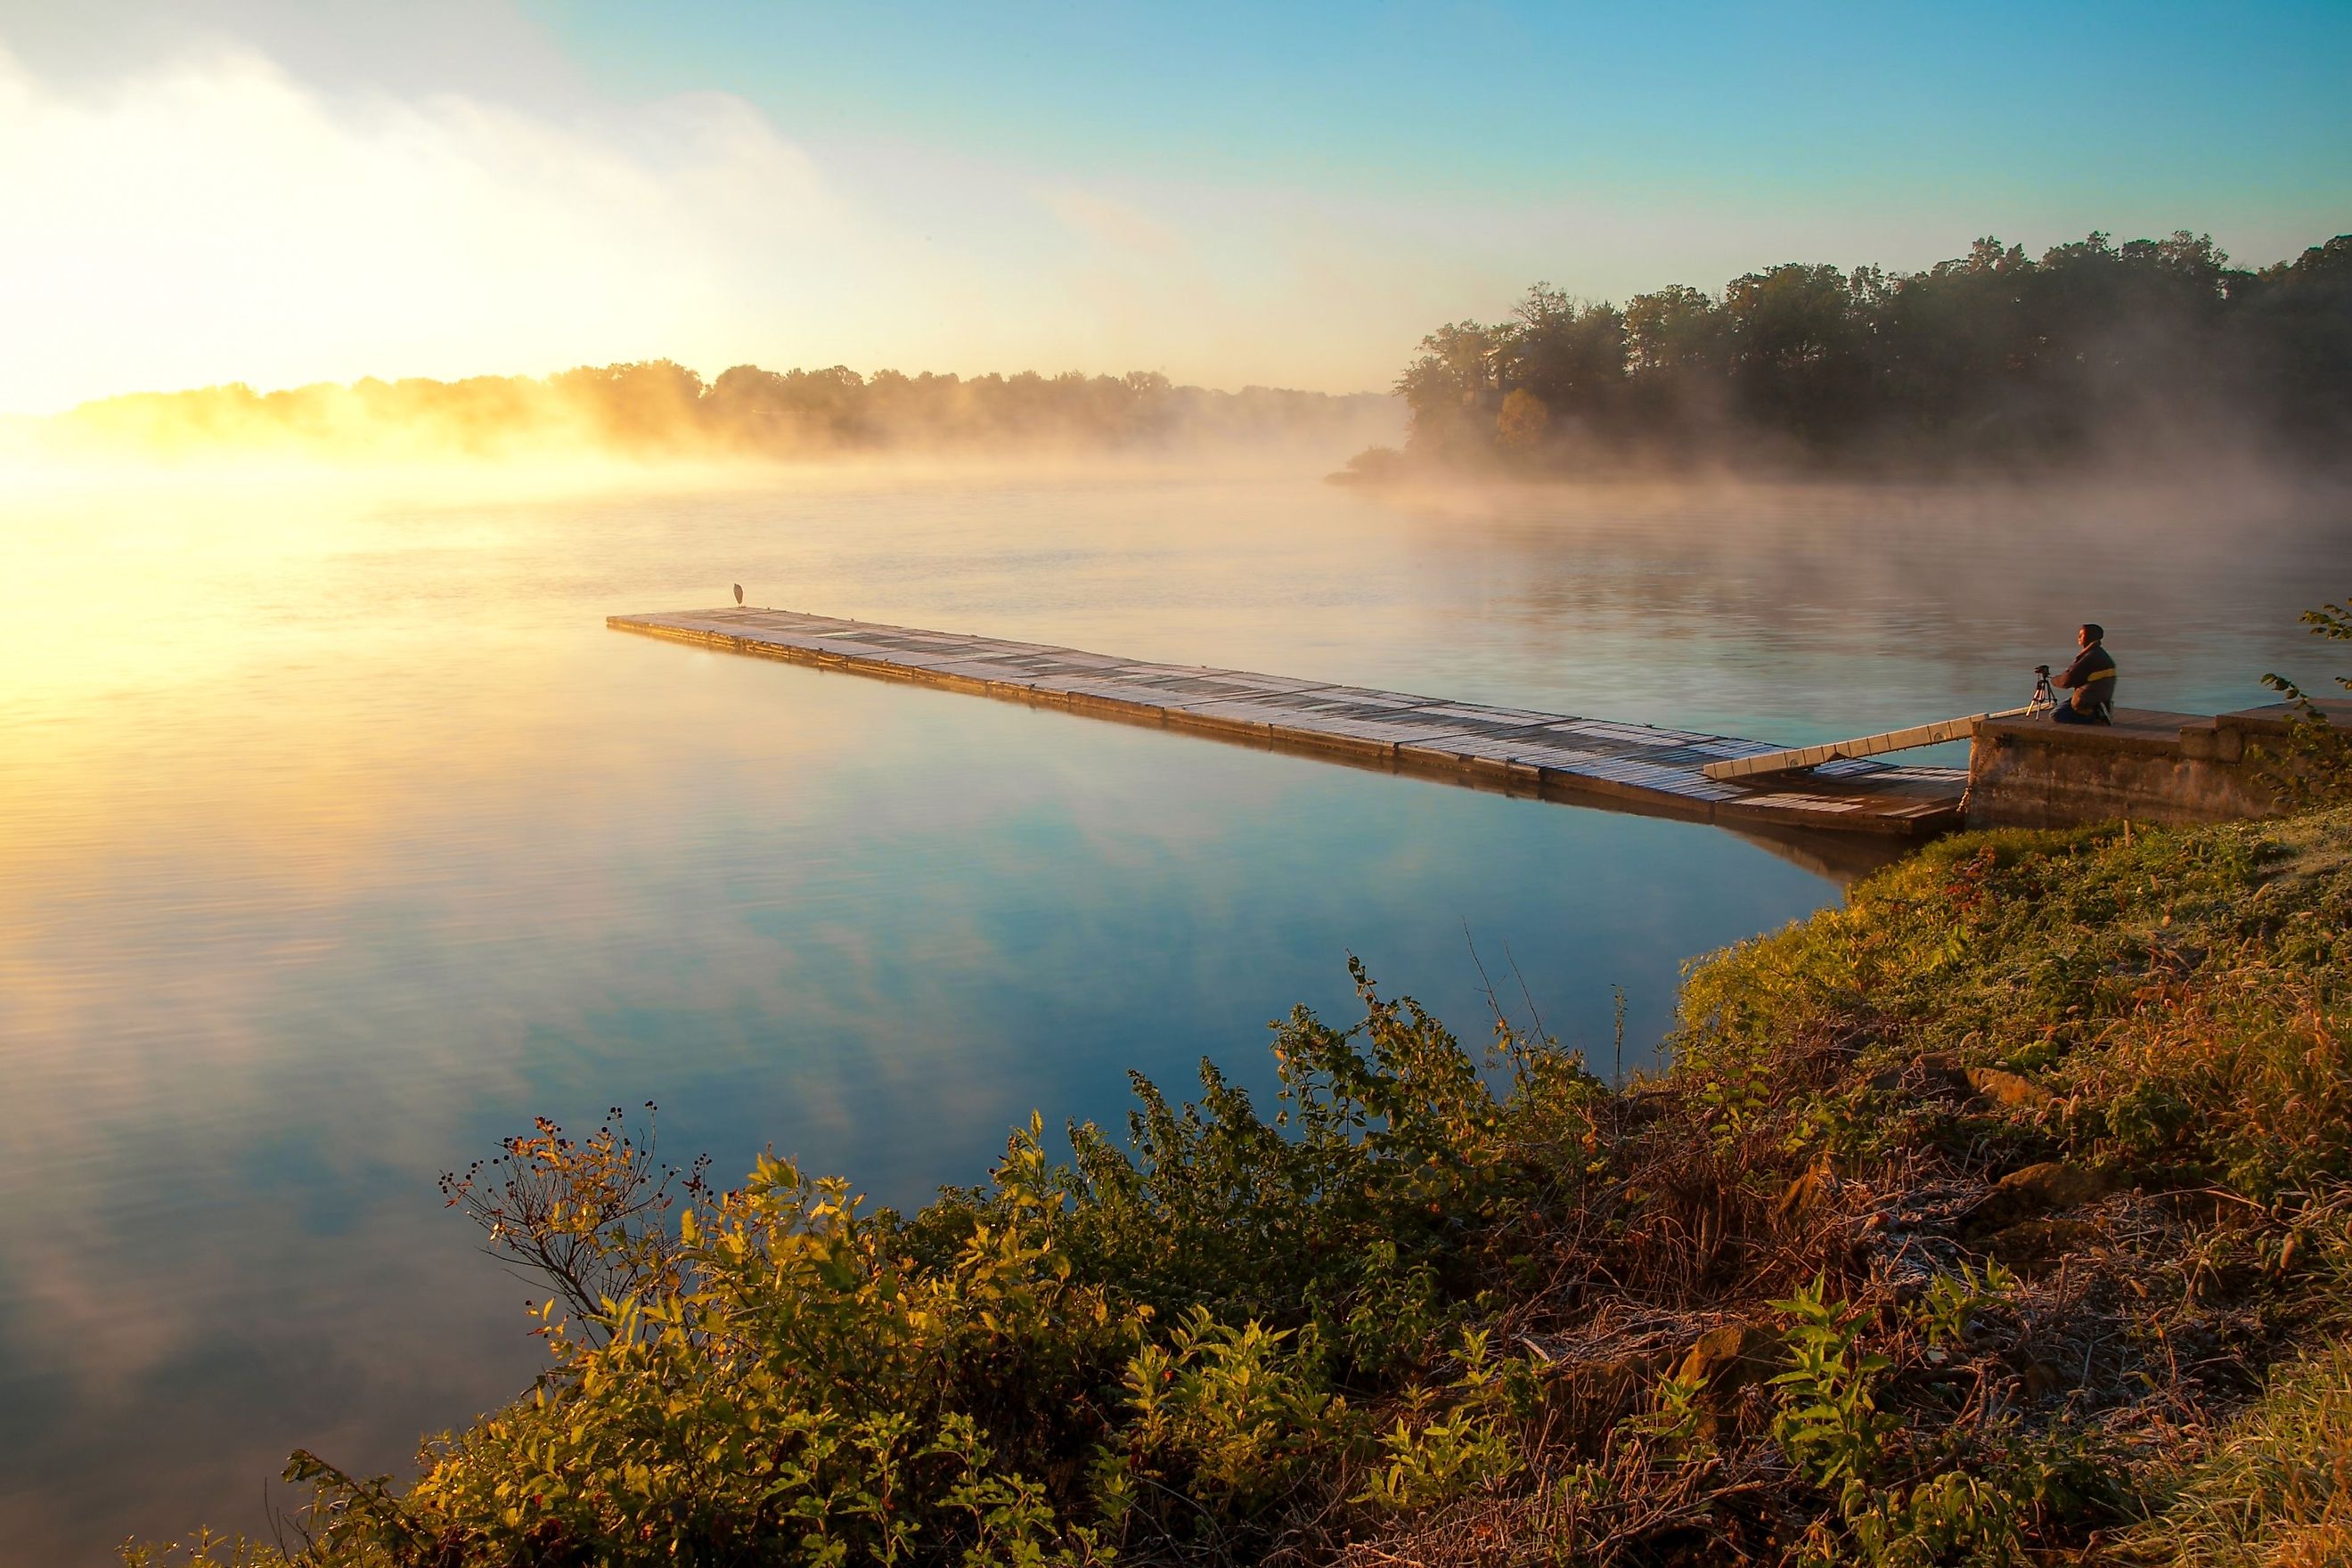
2004 1214
659 409
2092 352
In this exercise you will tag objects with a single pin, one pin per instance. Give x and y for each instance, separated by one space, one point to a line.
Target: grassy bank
2002 1216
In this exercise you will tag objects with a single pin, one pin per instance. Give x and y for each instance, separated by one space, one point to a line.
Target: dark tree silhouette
657 407
1990 357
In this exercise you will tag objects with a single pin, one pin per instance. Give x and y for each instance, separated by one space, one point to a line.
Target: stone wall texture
2148 766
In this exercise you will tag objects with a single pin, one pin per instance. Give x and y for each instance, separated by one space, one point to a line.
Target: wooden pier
1588 760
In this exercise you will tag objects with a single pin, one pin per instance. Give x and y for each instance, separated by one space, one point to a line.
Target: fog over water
338 836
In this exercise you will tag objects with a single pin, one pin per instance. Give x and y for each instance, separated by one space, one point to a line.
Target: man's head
2092 632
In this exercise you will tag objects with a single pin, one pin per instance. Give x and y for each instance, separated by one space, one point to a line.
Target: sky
286 191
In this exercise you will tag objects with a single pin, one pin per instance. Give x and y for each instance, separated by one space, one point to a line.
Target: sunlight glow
217 221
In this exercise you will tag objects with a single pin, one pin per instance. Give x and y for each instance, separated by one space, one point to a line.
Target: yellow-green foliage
1239 1412
789 1392
203 1550
2311 765
1829 1423
1143 1348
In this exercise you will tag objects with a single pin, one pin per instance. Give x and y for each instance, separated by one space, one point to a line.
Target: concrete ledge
2149 766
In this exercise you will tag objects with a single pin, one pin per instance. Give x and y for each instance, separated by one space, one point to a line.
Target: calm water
338 836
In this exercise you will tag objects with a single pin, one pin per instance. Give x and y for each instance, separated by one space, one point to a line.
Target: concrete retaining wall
2149 766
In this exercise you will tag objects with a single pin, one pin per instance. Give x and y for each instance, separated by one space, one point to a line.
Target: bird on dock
739 593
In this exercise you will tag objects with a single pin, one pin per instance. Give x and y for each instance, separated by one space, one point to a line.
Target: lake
339 836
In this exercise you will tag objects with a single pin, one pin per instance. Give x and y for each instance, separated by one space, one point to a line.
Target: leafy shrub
1233 1415
780 1386
1829 1423
1357 1208
2313 765
1951 1302
1137 1347
1949 1517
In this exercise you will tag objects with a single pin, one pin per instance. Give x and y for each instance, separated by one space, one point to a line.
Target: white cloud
215 220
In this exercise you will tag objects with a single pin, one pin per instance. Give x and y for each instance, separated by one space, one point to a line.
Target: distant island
2154 348
659 408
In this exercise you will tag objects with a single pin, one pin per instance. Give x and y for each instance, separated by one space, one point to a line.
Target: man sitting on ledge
2092 680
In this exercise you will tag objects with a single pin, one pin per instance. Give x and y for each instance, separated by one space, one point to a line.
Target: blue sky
275 191
2000 105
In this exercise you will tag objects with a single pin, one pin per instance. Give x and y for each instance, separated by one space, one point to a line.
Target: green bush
1356 1208
1829 1423
2312 766
1120 1349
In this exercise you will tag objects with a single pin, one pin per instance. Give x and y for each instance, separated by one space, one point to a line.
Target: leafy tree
1520 426
1569 354
1793 331
1992 356
1453 388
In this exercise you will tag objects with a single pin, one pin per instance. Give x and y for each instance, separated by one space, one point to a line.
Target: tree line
659 408
2094 349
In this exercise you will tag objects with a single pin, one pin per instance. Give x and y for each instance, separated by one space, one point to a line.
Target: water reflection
337 836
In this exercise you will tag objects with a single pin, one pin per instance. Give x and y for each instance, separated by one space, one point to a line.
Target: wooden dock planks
1886 740
1596 761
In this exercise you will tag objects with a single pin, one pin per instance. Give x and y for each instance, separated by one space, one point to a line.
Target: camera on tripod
2045 698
